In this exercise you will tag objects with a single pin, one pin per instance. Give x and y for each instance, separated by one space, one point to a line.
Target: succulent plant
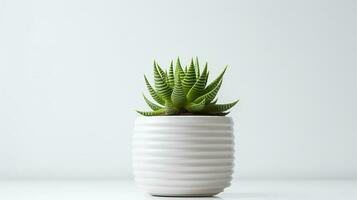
184 92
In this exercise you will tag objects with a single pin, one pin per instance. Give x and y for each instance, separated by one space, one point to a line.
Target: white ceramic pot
183 155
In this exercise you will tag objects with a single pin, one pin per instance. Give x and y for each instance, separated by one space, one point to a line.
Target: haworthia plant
184 91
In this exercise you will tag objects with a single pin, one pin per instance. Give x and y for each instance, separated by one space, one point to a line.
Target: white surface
183 155
126 190
64 63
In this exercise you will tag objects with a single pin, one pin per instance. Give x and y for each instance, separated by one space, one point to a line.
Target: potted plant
185 145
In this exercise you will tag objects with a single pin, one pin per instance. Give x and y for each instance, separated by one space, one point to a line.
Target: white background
71 75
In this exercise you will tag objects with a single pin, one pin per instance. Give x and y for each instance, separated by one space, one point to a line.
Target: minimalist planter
183 155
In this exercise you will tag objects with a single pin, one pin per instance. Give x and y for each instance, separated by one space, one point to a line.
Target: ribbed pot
183 155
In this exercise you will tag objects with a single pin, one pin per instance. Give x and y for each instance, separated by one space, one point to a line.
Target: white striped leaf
163 89
153 93
209 96
216 81
190 78
198 87
171 76
178 95
219 108
152 113
152 105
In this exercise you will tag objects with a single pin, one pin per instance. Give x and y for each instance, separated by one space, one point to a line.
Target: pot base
184 195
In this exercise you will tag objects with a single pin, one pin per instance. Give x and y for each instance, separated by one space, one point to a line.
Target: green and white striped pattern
161 84
190 78
184 92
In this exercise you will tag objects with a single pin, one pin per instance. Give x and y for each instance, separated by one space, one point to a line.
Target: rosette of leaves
184 91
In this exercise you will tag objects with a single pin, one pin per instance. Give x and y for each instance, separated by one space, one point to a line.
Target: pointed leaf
214 101
210 95
198 87
151 113
167 79
216 81
153 93
178 95
224 113
219 108
197 68
179 70
207 75
163 89
152 105
162 73
171 75
190 78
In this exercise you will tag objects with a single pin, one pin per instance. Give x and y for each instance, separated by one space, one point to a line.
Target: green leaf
178 95
163 89
169 108
152 105
171 75
223 113
167 79
179 91
196 107
207 75
179 70
151 113
214 101
219 108
197 68
210 95
162 73
190 78
216 81
153 93
198 87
